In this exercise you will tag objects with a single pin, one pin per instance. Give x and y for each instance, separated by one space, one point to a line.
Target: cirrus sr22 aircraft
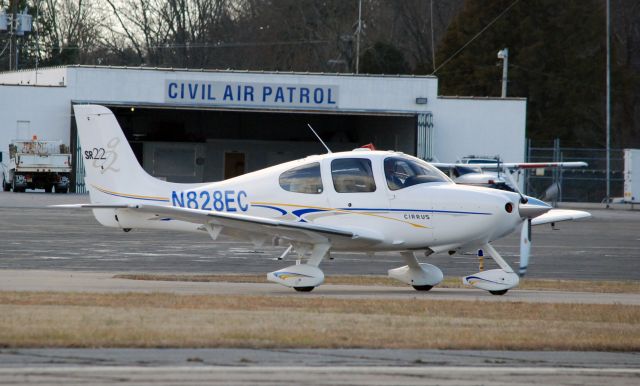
347 201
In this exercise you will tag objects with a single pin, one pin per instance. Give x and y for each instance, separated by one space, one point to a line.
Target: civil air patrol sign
232 94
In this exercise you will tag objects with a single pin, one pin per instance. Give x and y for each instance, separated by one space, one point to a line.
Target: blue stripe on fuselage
414 210
282 211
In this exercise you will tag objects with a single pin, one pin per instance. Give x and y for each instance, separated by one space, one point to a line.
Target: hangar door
195 145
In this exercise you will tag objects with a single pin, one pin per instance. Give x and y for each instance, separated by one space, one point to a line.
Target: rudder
113 174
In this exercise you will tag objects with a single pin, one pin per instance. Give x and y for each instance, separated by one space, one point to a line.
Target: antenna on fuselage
319 139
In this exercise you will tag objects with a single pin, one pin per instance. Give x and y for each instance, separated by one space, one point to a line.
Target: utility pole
608 108
17 25
504 55
13 36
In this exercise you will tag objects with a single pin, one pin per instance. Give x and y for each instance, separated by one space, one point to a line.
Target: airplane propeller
529 210
523 198
525 246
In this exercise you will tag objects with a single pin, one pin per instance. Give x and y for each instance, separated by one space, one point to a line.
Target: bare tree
414 26
171 32
68 30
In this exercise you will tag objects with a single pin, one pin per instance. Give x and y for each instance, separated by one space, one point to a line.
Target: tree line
557 49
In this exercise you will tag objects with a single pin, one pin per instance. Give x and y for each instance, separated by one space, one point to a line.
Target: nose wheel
496 281
422 287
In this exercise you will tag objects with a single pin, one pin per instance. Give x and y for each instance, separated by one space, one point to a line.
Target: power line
5 48
475 37
52 47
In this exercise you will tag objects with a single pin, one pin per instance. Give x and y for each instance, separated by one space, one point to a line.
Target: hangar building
206 125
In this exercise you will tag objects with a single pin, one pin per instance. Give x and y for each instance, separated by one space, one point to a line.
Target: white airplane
347 201
493 174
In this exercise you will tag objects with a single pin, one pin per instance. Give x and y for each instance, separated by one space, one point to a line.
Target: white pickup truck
37 165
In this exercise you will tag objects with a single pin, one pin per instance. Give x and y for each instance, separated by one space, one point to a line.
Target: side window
303 179
352 175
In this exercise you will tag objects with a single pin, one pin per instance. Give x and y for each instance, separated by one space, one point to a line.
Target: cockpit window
302 179
352 175
402 173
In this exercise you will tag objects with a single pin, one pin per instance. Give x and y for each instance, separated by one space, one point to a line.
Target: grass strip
600 286
57 319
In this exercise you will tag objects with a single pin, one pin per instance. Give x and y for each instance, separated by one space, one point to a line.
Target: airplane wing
513 165
539 165
241 223
557 215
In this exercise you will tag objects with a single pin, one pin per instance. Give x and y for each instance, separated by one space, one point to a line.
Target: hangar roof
229 89
203 70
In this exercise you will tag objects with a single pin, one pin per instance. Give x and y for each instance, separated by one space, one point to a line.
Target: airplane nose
533 208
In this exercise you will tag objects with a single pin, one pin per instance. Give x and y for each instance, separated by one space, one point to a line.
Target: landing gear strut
496 281
302 277
421 276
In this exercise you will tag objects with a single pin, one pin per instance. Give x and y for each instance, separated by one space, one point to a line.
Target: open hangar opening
183 144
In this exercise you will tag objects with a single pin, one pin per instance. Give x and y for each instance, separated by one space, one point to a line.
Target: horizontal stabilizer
94 206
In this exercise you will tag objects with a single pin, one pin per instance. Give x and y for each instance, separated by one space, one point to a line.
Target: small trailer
37 165
632 176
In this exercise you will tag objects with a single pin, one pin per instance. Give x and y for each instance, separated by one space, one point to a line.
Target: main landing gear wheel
501 292
304 289
422 287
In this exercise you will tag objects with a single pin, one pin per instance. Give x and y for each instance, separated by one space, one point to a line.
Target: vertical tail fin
113 174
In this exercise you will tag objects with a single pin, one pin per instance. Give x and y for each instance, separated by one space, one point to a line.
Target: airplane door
353 188
409 200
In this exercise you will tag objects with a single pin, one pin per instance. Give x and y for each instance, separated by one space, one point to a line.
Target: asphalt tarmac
314 367
104 282
45 249
604 247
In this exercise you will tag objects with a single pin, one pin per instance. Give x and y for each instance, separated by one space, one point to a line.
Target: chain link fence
574 185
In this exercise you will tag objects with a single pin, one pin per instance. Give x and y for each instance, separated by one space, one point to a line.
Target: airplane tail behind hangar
113 174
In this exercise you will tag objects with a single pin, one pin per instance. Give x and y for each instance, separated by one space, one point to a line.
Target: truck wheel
5 186
48 189
61 190
16 189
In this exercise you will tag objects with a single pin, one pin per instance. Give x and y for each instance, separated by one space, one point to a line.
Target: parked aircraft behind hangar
362 200
493 173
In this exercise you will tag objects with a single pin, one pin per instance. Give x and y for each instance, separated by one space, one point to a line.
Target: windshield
403 172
